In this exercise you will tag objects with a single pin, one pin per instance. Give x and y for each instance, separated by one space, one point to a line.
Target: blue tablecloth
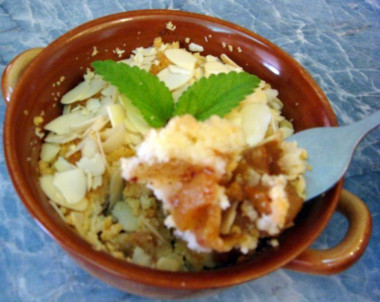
337 41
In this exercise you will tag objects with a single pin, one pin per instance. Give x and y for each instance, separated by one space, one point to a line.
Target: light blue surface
337 41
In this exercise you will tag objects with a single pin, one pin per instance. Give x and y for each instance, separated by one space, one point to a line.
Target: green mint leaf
217 94
145 90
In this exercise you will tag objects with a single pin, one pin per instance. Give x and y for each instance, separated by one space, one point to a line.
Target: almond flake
115 140
71 184
65 124
181 58
215 68
97 182
83 91
226 60
195 47
49 151
93 105
116 187
55 195
88 147
60 139
255 121
62 165
94 165
173 80
177 69
116 114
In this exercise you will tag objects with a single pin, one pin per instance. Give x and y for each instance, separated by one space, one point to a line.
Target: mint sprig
217 94
144 89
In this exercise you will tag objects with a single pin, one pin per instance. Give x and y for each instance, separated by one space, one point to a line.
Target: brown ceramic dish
70 55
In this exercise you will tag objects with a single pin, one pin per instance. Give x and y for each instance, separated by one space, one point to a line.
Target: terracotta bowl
29 85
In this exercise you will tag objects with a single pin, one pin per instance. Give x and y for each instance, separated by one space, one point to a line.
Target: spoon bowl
330 150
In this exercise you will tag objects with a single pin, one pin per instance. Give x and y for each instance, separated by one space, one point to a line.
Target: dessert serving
173 159
80 156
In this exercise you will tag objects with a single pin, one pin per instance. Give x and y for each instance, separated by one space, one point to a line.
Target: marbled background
338 42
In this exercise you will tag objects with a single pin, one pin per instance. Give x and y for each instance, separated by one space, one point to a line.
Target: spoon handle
363 127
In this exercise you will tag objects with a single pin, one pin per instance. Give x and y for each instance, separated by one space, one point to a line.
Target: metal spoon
330 151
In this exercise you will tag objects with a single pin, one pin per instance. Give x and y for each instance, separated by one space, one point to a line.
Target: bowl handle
348 251
14 70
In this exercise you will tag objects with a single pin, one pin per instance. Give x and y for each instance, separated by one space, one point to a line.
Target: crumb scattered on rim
118 51
170 26
39 132
94 51
37 120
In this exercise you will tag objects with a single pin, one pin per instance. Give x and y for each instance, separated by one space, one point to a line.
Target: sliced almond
199 73
93 105
62 165
84 90
94 165
99 123
50 190
210 58
116 187
134 116
116 114
195 47
259 96
108 91
81 126
115 140
231 68
96 84
173 80
130 61
66 109
178 92
55 195
215 68
64 124
180 70
89 147
255 121
60 139
77 93
228 219
134 139
226 60
49 151
129 126
286 131
97 182
271 94
149 51
71 184
125 217
181 58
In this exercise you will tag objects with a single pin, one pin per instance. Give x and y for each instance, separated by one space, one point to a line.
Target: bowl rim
119 268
